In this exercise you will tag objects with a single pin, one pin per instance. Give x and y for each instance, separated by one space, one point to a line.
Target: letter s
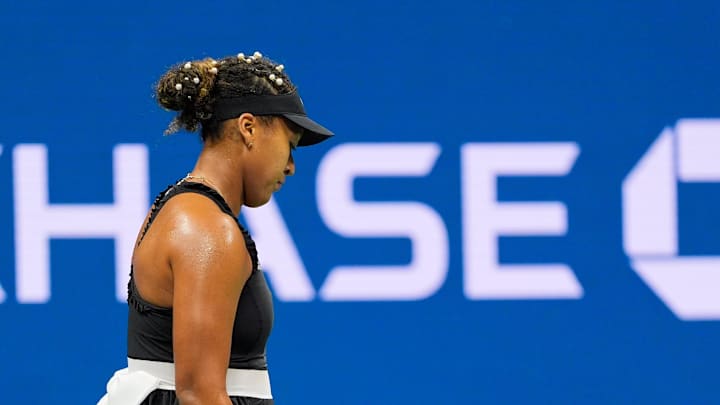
418 222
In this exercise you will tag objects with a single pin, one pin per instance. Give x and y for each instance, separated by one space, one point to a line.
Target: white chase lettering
427 270
37 220
485 219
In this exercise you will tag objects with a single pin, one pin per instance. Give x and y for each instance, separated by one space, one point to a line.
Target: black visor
289 106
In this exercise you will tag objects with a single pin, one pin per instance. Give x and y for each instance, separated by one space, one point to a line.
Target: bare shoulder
194 215
201 236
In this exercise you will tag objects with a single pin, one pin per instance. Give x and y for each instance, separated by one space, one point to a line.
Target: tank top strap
200 188
183 186
154 210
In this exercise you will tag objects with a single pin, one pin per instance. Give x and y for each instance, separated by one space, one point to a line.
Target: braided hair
192 88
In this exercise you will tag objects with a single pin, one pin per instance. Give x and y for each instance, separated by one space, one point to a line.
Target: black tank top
150 326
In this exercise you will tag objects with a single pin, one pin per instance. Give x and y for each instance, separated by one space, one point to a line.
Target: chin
254 203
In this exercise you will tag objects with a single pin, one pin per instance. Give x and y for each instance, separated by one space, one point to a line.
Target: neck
216 168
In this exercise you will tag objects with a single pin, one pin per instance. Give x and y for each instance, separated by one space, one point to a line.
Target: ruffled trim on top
135 301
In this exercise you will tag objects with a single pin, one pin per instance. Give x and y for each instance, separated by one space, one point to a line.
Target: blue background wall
608 76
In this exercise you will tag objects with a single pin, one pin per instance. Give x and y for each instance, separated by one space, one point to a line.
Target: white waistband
239 382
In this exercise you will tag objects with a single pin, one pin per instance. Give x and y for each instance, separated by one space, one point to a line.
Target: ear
247 126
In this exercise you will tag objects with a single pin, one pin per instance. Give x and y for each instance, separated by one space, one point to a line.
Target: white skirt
131 385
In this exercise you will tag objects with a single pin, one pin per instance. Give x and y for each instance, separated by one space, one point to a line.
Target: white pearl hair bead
196 80
257 55
178 86
279 81
279 68
188 65
213 70
272 76
241 55
248 60
186 78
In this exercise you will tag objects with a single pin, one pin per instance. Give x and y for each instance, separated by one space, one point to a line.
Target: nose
290 168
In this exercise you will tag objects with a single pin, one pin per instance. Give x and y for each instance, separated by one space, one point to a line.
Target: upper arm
210 266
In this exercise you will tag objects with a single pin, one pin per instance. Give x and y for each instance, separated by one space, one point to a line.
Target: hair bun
187 88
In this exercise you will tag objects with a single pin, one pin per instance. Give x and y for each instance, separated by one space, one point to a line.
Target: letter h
37 221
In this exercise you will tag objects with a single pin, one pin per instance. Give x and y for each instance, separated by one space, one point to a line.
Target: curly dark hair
192 88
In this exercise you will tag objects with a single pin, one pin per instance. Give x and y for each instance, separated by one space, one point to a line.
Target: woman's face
270 160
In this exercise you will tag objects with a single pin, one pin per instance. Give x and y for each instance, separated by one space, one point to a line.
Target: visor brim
313 132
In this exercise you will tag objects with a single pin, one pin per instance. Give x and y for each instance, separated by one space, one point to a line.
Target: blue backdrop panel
601 118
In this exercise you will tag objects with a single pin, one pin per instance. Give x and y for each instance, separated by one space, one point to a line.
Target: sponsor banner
520 204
